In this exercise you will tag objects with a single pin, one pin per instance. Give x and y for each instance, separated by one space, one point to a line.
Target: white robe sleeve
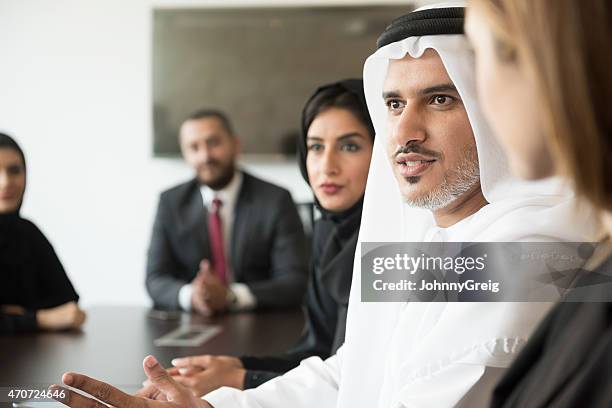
457 385
314 383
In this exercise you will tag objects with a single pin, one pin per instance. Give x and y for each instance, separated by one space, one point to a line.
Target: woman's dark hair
337 97
7 142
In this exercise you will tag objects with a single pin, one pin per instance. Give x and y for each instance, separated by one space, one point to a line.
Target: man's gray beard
456 183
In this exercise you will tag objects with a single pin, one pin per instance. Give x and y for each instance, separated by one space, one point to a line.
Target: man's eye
315 147
442 100
393 104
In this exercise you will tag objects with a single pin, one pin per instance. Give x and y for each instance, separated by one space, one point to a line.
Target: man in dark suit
226 239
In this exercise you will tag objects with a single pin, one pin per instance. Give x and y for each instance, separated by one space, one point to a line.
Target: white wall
75 91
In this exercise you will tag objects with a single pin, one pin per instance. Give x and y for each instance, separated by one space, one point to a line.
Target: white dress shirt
228 196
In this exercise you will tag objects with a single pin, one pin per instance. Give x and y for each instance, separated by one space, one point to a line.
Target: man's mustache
418 149
210 163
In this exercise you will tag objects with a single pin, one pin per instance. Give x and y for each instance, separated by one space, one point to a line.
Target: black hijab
7 142
11 221
335 235
32 275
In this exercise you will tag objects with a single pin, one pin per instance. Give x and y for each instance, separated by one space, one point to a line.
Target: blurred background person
542 66
225 239
35 293
334 152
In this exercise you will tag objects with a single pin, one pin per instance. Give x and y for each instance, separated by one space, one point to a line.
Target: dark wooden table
114 341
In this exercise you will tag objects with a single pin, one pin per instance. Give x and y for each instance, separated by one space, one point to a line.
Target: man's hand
175 395
66 316
209 293
204 374
198 296
215 292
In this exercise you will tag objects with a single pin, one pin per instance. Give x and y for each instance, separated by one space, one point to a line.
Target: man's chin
207 180
416 196
215 184
216 181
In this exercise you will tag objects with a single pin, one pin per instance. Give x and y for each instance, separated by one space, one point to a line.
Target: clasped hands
209 294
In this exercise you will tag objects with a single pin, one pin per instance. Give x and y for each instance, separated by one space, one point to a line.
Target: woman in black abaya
35 293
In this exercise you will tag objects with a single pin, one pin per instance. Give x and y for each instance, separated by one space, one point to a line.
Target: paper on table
188 336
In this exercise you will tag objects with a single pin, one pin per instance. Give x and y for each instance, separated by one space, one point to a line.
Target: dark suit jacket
267 251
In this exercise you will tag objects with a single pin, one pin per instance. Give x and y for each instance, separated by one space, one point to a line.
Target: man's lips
7 196
330 188
412 164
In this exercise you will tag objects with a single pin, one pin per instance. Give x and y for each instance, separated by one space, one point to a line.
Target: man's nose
204 154
408 128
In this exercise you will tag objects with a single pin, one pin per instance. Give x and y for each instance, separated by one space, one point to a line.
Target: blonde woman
543 75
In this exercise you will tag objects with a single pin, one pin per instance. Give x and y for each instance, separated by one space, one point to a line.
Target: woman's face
12 180
509 99
338 159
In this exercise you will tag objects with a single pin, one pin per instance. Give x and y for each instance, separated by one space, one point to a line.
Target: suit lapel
240 230
195 220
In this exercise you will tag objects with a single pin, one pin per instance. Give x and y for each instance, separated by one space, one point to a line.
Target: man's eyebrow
425 91
390 94
437 89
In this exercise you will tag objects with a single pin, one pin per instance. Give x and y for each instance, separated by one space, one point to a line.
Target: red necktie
215 236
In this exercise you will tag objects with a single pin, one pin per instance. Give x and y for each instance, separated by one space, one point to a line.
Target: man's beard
223 179
456 182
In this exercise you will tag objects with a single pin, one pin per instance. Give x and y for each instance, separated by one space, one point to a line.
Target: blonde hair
565 46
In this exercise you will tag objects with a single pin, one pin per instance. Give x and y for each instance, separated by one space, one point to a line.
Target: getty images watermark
482 272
